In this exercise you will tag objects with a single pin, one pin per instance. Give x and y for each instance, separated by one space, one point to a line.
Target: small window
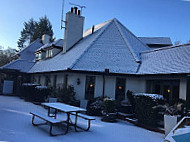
38 56
49 53
90 87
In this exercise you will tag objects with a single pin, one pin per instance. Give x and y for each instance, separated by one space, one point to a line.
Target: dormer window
39 56
49 53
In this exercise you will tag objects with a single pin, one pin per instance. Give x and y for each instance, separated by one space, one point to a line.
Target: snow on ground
16 126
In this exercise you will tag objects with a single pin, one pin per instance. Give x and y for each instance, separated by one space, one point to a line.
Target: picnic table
65 108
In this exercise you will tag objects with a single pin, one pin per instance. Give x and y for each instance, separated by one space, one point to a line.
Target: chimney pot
75 10
72 9
79 12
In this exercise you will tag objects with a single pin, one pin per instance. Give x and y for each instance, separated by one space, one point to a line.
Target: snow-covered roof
156 40
57 43
28 52
20 65
166 60
111 46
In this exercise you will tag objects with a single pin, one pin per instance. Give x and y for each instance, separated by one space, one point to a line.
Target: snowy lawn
16 126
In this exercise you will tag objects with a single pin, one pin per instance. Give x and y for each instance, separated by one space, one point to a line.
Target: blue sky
168 18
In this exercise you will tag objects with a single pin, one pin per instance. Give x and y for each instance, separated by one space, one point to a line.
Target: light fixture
91 85
120 87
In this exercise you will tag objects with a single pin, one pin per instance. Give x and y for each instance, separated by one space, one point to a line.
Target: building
109 60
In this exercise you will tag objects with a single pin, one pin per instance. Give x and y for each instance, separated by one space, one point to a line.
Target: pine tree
33 30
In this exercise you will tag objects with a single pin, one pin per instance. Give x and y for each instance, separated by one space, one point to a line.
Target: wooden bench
49 120
83 116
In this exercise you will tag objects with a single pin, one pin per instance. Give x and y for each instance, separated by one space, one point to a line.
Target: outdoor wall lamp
78 81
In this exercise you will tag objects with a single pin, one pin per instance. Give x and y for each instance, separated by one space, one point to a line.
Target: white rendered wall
110 82
136 85
73 31
79 89
98 86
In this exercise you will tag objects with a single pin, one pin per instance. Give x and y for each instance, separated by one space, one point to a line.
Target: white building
109 60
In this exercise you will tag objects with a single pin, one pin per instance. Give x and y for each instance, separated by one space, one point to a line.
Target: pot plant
109 112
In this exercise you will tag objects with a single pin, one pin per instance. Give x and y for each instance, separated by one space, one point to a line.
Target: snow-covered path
15 126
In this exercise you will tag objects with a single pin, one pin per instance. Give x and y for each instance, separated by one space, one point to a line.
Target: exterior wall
98 86
136 85
110 83
79 88
133 84
182 88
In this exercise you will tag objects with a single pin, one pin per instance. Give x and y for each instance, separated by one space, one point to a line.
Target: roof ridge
165 48
126 42
38 39
92 42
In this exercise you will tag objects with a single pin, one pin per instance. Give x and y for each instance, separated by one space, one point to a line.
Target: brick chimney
73 28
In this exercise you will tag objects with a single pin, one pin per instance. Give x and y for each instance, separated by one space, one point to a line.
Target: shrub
67 95
145 113
109 105
41 93
28 91
95 106
131 99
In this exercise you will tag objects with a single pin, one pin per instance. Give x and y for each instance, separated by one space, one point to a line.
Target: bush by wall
145 111
34 92
67 95
95 106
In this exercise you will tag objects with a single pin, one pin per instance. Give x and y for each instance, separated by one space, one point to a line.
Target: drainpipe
106 72
103 86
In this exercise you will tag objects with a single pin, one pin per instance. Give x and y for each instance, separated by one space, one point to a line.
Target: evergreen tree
33 30
5 55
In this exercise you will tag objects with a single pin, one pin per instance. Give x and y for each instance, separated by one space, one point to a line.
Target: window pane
90 87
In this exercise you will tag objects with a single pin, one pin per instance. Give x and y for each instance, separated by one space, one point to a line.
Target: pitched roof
20 65
56 43
28 53
111 46
166 60
156 40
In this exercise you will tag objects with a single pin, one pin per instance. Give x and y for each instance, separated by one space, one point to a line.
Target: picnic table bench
86 117
48 119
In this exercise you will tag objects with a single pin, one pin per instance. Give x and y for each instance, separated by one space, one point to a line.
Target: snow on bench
86 117
46 118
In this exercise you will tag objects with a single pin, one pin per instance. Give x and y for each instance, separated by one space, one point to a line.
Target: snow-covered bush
95 106
41 93
144 106
109 105
28 91
67 95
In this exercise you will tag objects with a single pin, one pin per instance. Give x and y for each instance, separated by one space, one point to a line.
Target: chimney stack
73 28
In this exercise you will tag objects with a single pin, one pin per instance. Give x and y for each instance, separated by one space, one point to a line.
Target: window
38 56
90 87
168 88
120 88
49 53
